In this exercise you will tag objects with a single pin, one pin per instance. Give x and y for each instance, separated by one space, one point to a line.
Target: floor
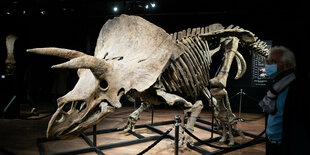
19 136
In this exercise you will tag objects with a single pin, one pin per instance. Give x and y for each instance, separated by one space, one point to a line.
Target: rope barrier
255 119
218 147
157 141
37 118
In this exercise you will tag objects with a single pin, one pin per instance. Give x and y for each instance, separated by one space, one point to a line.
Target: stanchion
240 102
256 139
164 135
212 119
241 93
95 135
176 138
152 120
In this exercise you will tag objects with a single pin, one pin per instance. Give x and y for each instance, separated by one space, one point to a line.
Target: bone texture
135 58
191 68
60 52
10 40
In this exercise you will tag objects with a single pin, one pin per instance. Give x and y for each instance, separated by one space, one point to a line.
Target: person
280 68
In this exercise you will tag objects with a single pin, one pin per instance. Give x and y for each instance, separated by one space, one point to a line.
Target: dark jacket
296 129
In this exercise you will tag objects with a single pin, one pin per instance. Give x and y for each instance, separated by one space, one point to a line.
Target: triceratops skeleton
134 57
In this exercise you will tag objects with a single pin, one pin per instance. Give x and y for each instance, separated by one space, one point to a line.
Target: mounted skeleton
136 58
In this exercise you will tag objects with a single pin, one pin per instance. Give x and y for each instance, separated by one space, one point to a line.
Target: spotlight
8 13
146 6
43 12
115 9
153 5
24 12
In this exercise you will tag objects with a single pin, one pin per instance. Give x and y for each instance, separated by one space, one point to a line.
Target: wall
283 24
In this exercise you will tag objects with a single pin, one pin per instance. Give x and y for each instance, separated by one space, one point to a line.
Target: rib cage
189 73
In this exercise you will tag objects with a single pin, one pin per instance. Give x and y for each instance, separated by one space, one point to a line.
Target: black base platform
141 139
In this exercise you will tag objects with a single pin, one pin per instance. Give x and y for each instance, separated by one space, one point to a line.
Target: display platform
147 136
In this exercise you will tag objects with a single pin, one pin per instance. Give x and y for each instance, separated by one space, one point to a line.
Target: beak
68 125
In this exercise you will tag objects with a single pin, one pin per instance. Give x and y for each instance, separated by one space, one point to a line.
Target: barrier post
176 137
95 135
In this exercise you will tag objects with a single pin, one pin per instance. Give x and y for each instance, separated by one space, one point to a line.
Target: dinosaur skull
85 105
94 96
130 55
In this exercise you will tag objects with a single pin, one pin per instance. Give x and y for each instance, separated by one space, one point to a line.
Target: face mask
271 70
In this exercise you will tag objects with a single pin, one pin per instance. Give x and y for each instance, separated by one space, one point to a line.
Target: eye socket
104 85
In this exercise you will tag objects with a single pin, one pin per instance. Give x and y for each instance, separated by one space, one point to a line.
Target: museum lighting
115 9
150 5
43 12
153 4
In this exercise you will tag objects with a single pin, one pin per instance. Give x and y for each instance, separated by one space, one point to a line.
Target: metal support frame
93 147
98 149
222 151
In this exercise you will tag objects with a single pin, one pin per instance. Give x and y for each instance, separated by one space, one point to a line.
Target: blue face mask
271 70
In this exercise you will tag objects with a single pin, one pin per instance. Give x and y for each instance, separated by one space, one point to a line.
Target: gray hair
288 56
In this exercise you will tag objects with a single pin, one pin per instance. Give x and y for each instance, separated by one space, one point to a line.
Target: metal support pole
176 137
152 121
95 135
241 93
212 119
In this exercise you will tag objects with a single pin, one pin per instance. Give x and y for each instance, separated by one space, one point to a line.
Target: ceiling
90 8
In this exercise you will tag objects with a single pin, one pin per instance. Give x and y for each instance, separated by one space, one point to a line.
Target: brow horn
96 65
60 52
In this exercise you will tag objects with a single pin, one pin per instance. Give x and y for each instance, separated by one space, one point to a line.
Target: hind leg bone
192 114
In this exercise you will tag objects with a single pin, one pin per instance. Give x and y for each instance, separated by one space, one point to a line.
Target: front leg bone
231 136
134 117
239 131
224 134
225 116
